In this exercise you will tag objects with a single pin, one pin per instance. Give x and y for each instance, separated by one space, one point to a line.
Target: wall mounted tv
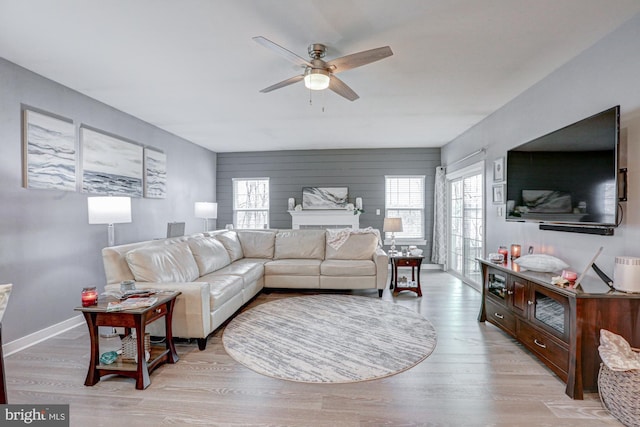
567 177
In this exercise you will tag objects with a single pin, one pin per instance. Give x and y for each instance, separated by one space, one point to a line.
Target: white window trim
412 240
233 201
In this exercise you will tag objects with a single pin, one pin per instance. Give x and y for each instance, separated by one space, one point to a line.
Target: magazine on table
132 303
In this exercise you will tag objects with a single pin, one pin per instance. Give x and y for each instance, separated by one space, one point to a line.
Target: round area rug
329 338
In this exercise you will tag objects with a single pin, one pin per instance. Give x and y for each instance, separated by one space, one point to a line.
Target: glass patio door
466 222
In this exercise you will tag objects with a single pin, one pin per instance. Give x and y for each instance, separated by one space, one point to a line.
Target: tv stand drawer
501 316
546 347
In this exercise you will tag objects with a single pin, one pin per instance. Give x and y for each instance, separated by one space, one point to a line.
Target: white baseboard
41 335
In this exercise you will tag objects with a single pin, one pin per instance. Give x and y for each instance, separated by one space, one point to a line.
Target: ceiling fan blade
340 87
282 51
289 81
358 59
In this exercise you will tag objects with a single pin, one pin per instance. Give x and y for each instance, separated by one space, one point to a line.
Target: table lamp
109 210
392 225
206 210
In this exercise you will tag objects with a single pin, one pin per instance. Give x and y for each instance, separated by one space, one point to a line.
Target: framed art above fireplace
324 197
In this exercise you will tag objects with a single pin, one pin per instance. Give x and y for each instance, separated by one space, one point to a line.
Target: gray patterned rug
329 338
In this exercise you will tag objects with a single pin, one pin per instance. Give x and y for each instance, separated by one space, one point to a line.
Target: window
251 202
404 198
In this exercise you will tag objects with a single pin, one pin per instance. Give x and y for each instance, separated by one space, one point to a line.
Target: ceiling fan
318 74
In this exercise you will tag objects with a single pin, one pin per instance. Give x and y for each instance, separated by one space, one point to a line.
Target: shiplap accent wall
361 170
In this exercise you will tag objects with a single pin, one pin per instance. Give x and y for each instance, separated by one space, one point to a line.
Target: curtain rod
468 156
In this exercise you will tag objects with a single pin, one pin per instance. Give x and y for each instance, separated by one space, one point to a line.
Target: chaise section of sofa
219 272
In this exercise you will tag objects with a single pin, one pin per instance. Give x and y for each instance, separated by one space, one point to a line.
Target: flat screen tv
569 176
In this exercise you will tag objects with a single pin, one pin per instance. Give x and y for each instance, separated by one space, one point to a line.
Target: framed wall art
498 170
49 152
155 174
498 194
110 165
324 197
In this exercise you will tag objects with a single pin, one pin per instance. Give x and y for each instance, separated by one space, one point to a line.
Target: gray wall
601 77
363 171
47 248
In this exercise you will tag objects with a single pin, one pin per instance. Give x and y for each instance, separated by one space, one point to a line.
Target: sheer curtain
439 247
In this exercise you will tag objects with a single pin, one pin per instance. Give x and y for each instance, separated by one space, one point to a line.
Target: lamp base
111 239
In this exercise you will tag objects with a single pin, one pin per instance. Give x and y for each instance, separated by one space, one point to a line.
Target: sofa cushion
357 246
293 267
256 243
165 263
222 288
231 243
249 270
338 267
300 244
209 253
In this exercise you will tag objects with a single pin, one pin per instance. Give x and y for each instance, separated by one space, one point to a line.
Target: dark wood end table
415 262
137 319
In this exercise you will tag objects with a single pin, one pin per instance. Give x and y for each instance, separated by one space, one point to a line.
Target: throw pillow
541 263
209 253
357 246
231 243
163 263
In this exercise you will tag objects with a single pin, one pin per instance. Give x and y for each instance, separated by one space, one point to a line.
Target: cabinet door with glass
497 286
549 311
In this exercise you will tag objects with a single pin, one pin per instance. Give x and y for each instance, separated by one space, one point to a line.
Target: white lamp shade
109 210
316 79
392 225
206 210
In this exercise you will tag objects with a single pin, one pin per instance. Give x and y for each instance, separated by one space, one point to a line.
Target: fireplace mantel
334 218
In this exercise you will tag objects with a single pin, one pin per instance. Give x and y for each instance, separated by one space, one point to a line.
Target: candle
505 253
515 251
569 275
89 296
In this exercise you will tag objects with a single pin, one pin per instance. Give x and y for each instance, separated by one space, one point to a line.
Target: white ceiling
191 68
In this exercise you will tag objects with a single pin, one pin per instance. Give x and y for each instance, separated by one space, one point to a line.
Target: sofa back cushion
163 263
302 244
209 253
257 243
357 246
231 243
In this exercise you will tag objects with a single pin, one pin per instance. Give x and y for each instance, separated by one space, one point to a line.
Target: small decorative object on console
571 276
498 258
504 251
626 274
516 251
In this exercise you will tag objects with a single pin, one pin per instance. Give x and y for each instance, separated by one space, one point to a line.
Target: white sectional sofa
219 272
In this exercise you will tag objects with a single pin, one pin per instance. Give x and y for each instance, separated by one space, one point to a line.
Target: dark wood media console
560 325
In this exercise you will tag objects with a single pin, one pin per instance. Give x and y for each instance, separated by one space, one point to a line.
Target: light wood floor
477 376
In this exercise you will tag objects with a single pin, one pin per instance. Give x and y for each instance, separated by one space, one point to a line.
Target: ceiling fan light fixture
316 78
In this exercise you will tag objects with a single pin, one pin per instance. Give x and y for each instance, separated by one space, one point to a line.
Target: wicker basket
619 392
130 347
